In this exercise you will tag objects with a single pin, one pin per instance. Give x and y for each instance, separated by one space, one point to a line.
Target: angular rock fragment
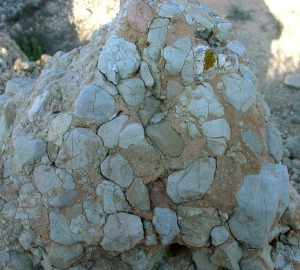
240 93
260 199
219 235
175 55
109 132
82 150
252 139
193 182
196 224
46 178
112 197
131 134
132 91
118 169
217 128
165 223
65 256
59 126
138 195
227 255
165 138
122 232
34 150
94 105
274 141
119 59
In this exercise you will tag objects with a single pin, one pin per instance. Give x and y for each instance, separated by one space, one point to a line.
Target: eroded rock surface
148 148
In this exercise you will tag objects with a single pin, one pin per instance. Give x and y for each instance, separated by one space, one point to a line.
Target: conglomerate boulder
149 148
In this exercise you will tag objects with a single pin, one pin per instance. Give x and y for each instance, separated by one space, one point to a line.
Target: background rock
76 189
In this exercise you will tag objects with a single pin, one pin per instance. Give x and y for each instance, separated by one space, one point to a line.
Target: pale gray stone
187 71
27 238
261 260
100 80
189 19
227 255
94 105
293 146
37 105
198 109
59 126
168 10
202 102
240 93
274 142
94 213
176 54
174 89
138 259
224 31
150 107
119 59
193 130
63 200
165 223
236 47
34 150
85 232
196 224
252 139
138 195
291 215
20 261
4 256
146 74
260 199
66 178
219 235
60 229
292 80
46 178
158 32
29 206
122 232
192 182
64 232
118 169
9 209
132 91
9 114
217 128
165 138
150 235
65 256
217 145
131 134
16 85
202 261
149 166
112 197
109 132
247 72
83 149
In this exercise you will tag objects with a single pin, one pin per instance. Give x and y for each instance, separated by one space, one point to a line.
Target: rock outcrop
150 146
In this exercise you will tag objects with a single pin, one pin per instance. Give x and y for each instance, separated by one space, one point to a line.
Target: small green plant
31 46
237 13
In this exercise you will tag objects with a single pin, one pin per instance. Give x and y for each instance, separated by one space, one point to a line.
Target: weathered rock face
149 146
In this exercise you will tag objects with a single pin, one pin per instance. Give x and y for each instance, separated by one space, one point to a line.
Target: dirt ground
270 31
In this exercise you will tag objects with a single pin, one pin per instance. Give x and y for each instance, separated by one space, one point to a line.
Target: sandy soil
270 31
